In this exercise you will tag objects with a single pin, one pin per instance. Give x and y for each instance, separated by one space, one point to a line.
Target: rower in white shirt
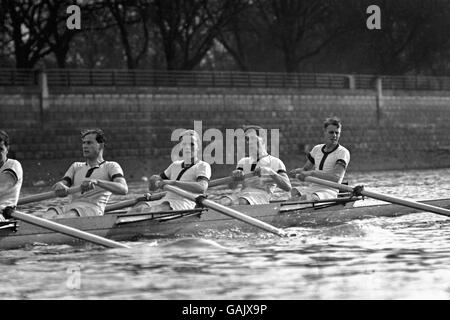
328 161
11 176
98 178
270 172
190 174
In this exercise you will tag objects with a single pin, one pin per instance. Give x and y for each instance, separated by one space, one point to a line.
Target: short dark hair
99 134
4 137
335 121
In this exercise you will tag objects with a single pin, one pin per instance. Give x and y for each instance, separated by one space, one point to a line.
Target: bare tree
413 34
188 28
300 29
35 29
280 34
22 33
236 35
413 31
59 37
263 35
126 15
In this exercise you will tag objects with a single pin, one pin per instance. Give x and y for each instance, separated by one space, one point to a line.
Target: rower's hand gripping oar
359 190
132 202
203 201
159 195
46 195
10 212
230 179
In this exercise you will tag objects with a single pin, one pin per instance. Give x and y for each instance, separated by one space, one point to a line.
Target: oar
379 196
159 195
45 196
57 227
227 180
132 202
225 210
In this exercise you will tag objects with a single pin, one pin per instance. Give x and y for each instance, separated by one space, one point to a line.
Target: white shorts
251 196
76 209
174 204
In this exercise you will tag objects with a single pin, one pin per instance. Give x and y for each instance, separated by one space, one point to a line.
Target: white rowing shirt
178 171
258 190
97 198
325 161
11 196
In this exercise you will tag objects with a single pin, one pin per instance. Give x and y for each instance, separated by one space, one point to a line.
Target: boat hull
122 227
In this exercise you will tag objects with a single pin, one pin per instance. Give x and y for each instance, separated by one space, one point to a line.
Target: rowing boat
120 226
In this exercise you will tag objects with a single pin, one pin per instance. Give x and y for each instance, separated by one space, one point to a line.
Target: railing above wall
112 77
18 77
219 79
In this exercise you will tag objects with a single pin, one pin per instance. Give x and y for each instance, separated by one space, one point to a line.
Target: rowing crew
99 179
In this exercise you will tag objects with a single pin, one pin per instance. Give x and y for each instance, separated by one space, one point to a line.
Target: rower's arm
282 181
117 186
238 178
234 185
307 167
280 177
7 181
61 184
336 175
199 186
61 187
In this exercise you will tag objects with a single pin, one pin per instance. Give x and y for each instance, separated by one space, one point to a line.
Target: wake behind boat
128 227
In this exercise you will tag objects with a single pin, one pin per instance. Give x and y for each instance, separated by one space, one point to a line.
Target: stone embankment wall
402 130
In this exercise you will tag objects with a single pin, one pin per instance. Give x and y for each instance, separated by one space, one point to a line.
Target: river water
405 257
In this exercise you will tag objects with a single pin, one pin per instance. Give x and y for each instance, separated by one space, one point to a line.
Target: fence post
351 82
379 99
68 78
13 76
44 104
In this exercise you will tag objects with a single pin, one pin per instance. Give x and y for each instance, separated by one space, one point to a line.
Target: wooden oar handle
331 184
46 196
159 195
132 202
228 180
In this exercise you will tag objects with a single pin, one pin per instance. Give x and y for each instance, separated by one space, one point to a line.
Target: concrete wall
408 130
